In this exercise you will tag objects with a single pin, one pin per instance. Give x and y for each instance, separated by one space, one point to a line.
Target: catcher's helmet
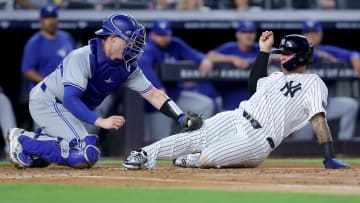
298 44
129 29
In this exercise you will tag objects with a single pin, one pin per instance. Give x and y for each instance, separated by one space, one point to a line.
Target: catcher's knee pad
91 140
86 156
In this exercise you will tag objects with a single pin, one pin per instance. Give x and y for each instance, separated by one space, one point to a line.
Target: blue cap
312 26
246 26
49 10
161 27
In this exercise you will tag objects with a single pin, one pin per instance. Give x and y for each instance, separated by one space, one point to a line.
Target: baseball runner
281 103
67 97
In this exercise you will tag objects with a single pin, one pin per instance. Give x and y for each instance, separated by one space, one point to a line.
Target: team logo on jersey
61 52
290 88
108 81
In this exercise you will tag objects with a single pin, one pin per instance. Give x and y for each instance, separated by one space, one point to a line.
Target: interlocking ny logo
289 88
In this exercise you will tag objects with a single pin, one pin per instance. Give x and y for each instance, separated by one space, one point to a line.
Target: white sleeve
138 82
260 82
316 98
76 69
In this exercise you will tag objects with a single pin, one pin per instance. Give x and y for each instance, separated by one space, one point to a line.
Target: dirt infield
267 177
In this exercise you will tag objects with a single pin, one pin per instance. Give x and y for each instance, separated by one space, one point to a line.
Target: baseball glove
191 121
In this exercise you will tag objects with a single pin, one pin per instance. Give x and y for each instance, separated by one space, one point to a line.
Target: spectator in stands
242 5
215 4
240 53
162 47
191 5
45 49
343 108
30 4
166 4
246 5
7 117
327 4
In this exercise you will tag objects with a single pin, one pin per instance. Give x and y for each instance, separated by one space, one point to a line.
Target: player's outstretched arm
168 107
259 67
323 135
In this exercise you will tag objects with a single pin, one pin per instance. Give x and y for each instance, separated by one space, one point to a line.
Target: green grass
45 193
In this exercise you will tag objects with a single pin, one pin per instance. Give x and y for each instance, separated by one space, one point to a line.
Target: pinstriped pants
225 140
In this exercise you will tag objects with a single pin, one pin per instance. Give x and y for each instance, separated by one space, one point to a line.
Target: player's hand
206 66
240 63
112 122
335 164
266 41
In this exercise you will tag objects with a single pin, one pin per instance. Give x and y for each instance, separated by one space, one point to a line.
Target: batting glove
335 164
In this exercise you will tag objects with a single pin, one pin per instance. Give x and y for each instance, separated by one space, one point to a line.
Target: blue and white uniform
77 87
65 99
43 55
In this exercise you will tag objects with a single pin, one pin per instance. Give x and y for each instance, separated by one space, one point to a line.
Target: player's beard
51 29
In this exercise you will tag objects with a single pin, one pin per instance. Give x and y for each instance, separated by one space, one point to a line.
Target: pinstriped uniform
281 104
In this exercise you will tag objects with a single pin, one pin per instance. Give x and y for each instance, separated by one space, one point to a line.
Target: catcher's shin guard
60 152
48 150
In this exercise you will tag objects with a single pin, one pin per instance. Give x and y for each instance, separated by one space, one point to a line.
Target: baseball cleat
185 161
16 155
135 160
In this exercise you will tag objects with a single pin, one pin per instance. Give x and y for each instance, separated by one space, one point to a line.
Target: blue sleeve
316 56
224 49
73 103
189 53
71 41
339 53
30 56
146 65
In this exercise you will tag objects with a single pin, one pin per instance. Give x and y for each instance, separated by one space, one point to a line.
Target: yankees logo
290 88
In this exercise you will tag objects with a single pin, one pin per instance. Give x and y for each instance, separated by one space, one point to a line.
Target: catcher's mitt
191 121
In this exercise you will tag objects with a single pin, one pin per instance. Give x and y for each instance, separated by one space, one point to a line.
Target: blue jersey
90 71
177 50
43 55
339 53
234 92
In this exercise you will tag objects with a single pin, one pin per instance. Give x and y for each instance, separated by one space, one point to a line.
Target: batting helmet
298 44
129 29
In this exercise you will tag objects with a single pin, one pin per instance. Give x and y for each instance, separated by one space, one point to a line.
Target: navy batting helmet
129 29
298 44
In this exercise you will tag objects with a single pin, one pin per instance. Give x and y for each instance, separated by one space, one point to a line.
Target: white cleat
135 160
16 155
186 161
